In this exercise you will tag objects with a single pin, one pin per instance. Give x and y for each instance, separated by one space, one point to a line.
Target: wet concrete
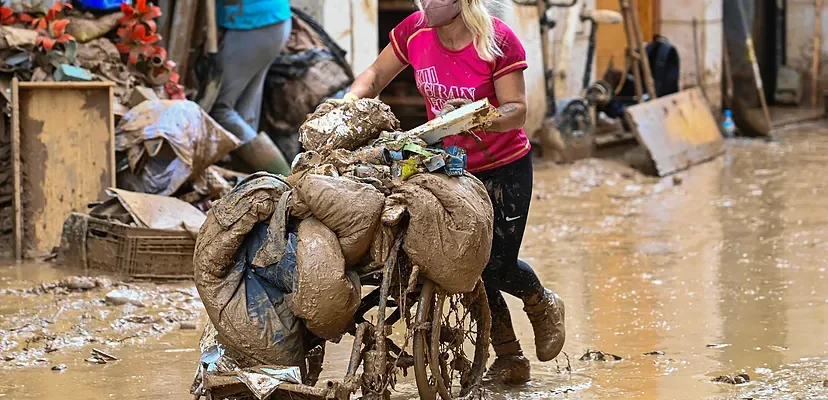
721 268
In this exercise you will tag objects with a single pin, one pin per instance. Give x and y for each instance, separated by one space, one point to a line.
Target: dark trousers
510 188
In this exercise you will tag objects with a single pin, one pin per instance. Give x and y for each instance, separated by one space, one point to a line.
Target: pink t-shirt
442 74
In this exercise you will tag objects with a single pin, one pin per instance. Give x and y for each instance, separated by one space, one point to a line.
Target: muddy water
723 269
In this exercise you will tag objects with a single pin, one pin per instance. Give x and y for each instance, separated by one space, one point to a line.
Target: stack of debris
140 235
62 44
296 246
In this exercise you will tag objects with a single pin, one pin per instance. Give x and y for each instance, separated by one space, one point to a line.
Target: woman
460 53
255 31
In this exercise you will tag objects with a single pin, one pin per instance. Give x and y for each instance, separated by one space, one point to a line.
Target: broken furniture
140 235
63 156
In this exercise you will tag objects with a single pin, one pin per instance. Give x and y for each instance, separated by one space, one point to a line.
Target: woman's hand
454 104
348 98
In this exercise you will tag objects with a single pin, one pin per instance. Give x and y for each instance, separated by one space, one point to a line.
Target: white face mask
440 12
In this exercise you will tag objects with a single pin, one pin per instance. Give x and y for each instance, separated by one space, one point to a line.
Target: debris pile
277 260
62 44
164 144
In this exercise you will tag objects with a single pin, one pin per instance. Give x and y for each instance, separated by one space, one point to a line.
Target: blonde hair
477 16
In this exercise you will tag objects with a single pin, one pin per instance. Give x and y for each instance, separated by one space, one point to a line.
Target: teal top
251 14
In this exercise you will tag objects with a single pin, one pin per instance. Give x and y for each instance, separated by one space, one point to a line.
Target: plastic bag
167 143
351 209
248 304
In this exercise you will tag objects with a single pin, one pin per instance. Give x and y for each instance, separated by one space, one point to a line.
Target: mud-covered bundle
276 259
361 176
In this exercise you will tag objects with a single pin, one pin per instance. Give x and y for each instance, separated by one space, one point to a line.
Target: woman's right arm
385 68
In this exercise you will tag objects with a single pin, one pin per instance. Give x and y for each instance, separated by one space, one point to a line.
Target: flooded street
720 270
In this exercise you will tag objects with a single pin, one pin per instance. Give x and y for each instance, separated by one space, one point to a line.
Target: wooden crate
63 156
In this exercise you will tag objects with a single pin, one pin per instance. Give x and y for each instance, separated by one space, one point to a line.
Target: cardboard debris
159 212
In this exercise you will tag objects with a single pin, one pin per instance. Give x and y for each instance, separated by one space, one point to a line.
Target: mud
350 209
59 318
348 126
450 230
326 297
732 257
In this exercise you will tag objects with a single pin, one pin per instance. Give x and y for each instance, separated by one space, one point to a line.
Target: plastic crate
96 244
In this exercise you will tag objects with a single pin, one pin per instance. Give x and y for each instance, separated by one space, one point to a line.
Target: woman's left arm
510 90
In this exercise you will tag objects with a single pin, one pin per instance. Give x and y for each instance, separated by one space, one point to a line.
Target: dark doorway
769 33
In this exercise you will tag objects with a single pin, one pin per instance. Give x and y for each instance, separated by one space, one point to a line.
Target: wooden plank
66 85
66 134
221 386
164 20
564 56
181 34
817 53
16 172
678 130
461 120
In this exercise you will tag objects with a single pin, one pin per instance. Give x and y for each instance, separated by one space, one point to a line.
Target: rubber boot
510 367
546 313
262 154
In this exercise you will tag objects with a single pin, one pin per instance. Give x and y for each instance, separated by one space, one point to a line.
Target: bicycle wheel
447 329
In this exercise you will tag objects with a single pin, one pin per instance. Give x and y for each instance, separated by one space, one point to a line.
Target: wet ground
720 270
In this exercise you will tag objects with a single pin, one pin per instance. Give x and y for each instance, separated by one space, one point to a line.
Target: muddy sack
167 143
449 233
351 209
348 126
326 296
247 304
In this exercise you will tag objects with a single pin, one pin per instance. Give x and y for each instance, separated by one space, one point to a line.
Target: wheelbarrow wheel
448 329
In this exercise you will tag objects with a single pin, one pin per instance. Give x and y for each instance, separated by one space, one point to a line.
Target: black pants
510 188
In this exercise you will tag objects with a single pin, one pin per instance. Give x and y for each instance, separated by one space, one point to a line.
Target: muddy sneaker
547 317
509 370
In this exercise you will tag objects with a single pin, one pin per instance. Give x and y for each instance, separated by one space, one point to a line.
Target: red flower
56 33
142 12
138 44
7 16
51 15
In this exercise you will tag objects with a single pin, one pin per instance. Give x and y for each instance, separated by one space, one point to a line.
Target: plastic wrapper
167 143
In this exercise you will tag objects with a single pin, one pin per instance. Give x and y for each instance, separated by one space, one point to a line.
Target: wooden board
611 42
63 144
463 119
678 130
